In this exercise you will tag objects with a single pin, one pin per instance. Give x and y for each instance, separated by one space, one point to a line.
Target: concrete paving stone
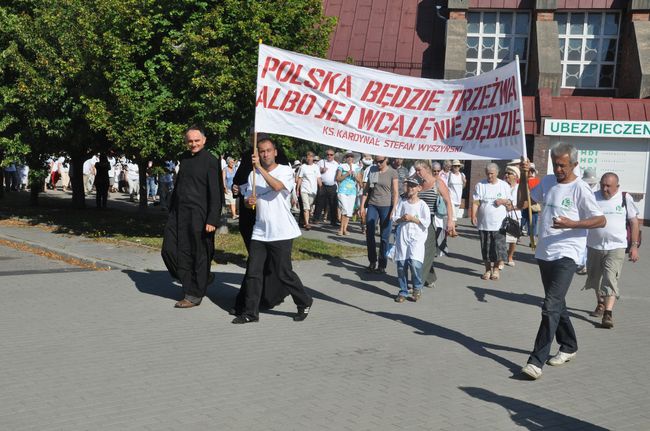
98 348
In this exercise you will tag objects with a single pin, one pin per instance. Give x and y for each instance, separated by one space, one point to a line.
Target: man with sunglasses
326 197
378 201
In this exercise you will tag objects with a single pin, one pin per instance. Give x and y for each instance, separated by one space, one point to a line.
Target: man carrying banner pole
569 208
273 234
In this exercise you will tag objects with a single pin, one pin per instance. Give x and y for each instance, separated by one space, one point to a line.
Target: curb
100 264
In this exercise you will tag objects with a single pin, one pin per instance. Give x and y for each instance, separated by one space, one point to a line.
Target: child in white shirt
412 217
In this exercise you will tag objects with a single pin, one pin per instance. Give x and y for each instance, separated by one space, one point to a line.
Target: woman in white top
456 182
512 178
488 211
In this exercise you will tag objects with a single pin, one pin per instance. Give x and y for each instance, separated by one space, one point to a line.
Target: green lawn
123 222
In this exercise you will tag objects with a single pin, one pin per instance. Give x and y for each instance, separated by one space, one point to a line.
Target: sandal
495 275
184 303
487 275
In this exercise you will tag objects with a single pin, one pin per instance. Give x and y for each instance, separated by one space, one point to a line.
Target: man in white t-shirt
273 233
606 247
307 184
569 208
326 198
89 173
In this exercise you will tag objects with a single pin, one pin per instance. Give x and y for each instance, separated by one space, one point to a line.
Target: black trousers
101 195
278 254
326 198
188 251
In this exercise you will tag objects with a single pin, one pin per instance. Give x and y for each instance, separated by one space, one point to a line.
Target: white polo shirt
329 176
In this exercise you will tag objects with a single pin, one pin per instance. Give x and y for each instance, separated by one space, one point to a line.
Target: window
588 48
493 40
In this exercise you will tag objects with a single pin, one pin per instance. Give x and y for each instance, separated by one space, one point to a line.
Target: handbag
511 227
441 207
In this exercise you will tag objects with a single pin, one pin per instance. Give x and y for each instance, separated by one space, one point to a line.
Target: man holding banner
273 233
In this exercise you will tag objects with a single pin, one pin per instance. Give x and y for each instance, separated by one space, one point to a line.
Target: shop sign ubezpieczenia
604 129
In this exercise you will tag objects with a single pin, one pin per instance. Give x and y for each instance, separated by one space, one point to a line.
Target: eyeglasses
330 154
380 161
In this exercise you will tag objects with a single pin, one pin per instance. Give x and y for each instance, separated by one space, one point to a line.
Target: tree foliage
80 76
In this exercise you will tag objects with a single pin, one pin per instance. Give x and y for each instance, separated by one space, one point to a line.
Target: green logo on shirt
566 203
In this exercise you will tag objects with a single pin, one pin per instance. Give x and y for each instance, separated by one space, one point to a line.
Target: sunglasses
380 161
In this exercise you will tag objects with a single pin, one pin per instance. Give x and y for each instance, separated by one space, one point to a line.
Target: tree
132 74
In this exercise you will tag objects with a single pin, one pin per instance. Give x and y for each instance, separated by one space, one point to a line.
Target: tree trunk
2 176
77 180
144 199
36 182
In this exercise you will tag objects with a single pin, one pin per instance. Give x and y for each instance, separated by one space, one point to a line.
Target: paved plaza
106 350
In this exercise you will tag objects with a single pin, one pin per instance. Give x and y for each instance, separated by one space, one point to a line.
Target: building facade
585 67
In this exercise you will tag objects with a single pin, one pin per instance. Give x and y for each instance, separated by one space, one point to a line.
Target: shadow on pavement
475 346
531 416
359 285
524 298
159 283
427 328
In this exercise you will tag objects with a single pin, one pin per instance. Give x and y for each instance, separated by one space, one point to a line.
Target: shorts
307 200
228 197
346 204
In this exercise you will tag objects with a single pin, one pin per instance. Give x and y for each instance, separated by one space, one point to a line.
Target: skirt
346 204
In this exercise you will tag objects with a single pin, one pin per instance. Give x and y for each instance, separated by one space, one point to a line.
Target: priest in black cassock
195 210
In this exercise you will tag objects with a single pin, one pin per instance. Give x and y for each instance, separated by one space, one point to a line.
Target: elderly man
188 242
569 208
273 233
606 246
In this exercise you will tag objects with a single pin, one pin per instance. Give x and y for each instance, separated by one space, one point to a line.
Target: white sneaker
532 371
561 358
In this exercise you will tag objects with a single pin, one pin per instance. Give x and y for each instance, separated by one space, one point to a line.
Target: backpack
628 227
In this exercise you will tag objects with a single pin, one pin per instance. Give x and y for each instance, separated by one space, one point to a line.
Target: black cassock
273 292
187 248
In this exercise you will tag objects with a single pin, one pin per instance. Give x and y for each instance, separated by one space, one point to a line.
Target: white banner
381 113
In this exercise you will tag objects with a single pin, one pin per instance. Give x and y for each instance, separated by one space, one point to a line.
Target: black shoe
244 319
371 268
301 315
380 270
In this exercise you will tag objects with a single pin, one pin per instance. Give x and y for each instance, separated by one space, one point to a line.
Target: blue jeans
378 214
403 267
152 187
525 222
556 278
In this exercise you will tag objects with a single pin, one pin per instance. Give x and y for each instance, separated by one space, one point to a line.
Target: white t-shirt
89 165
410 238
329 176
488 216
614 234
133 171
574 201
455 184
309 175
273 219
111 171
